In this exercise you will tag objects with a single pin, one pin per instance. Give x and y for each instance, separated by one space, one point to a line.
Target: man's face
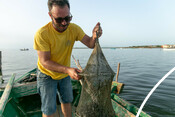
60 17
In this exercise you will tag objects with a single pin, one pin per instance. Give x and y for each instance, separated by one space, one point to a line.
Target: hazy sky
124 22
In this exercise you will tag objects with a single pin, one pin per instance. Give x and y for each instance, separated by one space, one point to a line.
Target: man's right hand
73 73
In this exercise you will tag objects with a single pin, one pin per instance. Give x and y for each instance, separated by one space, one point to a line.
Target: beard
60 27
63 25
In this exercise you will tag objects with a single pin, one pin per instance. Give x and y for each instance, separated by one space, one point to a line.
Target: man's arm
53 66
90 41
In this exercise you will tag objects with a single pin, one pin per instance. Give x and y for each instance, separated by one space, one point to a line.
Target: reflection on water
140 70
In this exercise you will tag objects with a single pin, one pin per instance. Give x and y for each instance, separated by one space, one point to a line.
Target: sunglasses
60 20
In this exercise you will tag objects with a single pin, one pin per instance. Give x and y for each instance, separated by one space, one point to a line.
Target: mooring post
0 65
1 80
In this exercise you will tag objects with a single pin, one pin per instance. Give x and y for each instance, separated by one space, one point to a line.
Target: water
140 70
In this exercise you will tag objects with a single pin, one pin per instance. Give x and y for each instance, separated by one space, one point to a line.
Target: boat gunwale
16 85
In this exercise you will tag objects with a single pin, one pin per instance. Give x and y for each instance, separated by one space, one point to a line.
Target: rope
153 89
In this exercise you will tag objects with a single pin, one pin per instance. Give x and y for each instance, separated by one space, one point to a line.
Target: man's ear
49 14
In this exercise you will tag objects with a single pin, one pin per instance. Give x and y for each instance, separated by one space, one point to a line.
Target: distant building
168 46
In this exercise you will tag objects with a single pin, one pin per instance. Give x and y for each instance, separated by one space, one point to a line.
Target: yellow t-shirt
59 44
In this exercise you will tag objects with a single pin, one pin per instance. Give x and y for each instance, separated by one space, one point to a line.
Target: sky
124 22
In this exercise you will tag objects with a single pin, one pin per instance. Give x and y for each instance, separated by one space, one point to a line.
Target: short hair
60 3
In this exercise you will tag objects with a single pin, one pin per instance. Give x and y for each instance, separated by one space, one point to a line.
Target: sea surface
140 70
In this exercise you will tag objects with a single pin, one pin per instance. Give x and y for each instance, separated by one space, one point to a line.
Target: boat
19 98
24 49
168 47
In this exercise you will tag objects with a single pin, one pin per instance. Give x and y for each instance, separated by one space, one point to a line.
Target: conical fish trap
95 100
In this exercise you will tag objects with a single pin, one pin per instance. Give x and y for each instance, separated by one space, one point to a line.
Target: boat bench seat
30 105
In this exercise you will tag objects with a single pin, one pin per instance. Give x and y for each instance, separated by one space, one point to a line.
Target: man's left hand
97 30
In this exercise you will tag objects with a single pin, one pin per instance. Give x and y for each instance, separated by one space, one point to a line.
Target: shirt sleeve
41 42
80 33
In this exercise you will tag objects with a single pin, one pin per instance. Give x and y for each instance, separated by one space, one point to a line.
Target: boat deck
24 101
29 106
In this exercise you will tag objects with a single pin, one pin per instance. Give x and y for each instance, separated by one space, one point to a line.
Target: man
54 43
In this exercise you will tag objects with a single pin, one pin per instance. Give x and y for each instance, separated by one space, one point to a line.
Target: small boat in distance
24 49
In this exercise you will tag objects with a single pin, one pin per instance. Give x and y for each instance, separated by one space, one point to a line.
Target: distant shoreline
145 46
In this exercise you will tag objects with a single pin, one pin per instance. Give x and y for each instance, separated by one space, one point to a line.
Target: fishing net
95 100
28 78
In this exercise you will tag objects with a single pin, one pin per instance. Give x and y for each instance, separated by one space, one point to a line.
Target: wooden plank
1 79
119 85
128 106
24 89
26 75
0 65
6 94
120 111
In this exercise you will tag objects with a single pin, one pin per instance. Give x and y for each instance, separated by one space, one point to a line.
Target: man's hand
90 41
73 73
96 31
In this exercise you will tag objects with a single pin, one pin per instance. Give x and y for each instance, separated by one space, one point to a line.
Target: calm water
140 70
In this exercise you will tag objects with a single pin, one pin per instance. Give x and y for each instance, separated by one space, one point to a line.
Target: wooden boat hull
24 101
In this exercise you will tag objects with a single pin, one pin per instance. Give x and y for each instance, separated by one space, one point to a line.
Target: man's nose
63 22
